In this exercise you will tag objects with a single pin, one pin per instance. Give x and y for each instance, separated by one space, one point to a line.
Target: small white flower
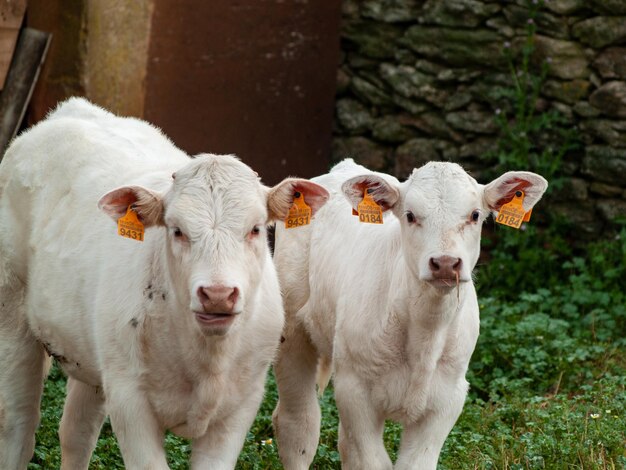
594 415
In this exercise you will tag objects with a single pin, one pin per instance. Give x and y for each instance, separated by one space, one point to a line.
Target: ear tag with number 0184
369 211
129 225
299 213
512 213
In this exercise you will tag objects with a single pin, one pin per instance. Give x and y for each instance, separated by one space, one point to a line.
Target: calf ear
280 197
385 194
501 190
148 204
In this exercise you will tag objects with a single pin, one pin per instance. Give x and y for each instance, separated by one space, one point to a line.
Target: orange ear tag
299 213
129 226
369 211
512 213
527 216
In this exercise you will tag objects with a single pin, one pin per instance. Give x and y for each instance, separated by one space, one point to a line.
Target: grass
581 430
548 377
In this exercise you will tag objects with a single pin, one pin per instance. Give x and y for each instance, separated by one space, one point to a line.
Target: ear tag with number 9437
368 210
129 225
512 214
299 213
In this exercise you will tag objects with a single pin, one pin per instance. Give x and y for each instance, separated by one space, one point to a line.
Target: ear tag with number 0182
129 225
512 213
299 213
368 210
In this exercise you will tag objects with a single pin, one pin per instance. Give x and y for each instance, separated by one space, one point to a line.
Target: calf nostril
234 296
434 266
202 294
457 266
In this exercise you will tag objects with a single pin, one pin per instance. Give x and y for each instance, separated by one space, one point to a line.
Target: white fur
362 298
117 313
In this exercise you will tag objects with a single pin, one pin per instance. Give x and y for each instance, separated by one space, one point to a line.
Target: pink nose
218 298
445 267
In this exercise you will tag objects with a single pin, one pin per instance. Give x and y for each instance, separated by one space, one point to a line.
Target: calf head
215 213
441 209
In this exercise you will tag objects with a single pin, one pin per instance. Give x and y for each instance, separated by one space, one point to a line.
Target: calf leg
139 435
361 427
422 441
82 419
297 415
23 367
220 446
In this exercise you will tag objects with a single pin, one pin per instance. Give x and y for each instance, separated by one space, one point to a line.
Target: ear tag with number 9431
368 210
129 225
299 213
512 214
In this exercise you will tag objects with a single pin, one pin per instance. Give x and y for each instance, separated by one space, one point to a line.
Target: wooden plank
30 52
11 15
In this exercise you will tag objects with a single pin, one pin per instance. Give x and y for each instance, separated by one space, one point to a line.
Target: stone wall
422 80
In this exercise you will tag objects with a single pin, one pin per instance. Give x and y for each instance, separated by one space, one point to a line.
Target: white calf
391 308
176 332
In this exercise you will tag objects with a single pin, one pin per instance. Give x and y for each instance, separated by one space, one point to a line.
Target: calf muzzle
445 269
218 299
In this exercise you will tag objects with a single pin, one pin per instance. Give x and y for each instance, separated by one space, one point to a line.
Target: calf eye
475 216
255 230
178 234
410 218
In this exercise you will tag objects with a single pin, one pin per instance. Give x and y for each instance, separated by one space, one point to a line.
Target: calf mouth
444 283
214 319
